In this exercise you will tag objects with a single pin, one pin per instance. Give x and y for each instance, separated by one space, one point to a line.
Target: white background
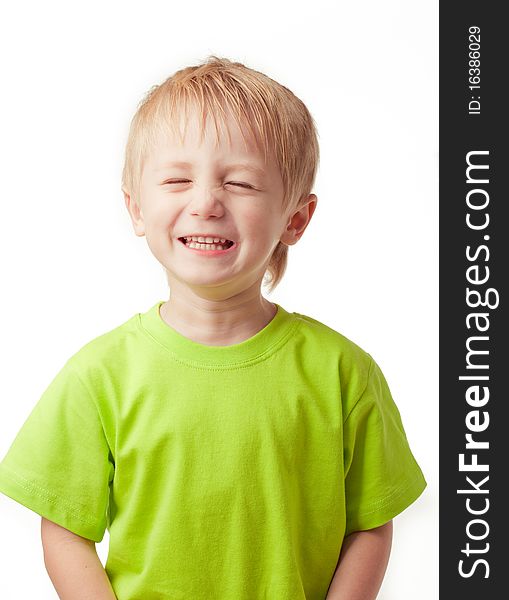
367 266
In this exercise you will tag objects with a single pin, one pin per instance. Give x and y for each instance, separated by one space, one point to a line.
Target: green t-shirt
221 472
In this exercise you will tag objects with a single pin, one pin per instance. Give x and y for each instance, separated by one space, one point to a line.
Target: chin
202 280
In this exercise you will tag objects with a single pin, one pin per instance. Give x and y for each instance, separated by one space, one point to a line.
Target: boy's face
220 192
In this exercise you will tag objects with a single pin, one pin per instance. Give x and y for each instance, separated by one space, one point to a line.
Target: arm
362 564
73 565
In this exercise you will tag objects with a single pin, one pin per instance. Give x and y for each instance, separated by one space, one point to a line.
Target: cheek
160 231
264 221
258 220
161 218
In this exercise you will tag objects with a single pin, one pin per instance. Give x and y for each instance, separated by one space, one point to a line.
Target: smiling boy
233 449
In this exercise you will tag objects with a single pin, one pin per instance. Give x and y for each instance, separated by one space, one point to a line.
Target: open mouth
214 245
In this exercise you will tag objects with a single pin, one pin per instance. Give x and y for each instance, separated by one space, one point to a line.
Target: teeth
199 246
206 240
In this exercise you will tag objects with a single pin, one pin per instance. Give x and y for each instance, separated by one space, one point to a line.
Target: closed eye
244 185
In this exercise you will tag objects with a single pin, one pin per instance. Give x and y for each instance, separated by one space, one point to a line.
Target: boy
234 450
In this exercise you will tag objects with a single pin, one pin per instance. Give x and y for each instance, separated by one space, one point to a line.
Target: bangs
173 109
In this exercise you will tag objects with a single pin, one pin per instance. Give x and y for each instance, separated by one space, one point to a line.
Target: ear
136 215
299 220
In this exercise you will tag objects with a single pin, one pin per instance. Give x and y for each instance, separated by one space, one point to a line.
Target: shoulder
333 343
108 350
334 355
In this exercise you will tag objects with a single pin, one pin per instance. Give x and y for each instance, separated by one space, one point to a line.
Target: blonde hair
282 125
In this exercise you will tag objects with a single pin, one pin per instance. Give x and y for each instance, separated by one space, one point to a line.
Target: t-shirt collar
257 347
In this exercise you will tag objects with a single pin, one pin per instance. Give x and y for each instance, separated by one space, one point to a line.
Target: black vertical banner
474 267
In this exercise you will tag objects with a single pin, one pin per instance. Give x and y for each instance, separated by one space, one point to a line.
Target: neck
217 322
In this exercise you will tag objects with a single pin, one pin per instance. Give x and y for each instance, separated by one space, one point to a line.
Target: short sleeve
382 477
59 464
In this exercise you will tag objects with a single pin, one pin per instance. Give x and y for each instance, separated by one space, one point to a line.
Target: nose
206 202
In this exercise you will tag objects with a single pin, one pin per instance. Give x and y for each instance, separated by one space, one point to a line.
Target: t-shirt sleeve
382 477
59 464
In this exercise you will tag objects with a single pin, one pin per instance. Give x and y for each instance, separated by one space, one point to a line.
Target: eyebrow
245 166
